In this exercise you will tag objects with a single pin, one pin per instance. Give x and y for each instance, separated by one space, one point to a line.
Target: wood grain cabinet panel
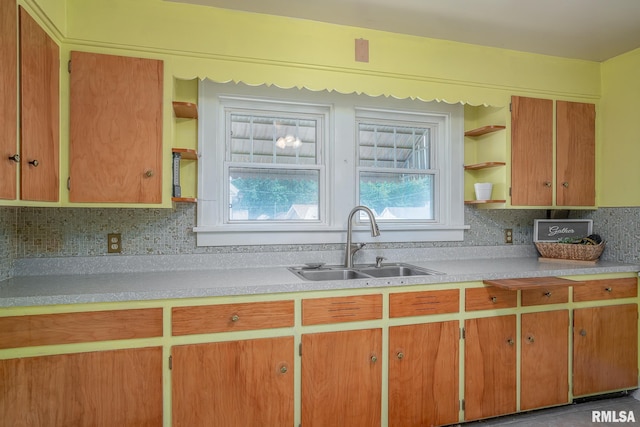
531 151
605 349
231 317
115 129
405 304
99 389
39 112
423 374
490 367
8 99
489 297
595 290
234 384
575 154
544 366
317 311
342 378
67 328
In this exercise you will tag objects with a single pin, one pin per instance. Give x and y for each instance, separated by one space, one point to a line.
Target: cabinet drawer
544 296
320 311
231 317
594 290
489 298
68 328
406 304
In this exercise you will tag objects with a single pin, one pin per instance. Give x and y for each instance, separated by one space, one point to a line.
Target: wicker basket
570 251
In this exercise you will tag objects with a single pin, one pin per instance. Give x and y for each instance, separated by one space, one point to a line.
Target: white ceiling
594 30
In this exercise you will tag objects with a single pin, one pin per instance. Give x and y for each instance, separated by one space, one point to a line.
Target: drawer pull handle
608 289
235 318
494 299
400 355
547 294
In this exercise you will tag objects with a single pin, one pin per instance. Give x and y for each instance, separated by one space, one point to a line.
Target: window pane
384 146
398 196
273 139
273 194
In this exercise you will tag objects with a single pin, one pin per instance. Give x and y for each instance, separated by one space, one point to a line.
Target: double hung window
286 166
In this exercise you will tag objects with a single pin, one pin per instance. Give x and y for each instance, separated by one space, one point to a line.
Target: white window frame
339 176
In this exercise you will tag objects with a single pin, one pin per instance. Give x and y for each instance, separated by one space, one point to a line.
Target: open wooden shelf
484 130
186 153
480 202
483 165
185 110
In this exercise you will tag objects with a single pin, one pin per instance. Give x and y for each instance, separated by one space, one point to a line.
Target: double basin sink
366 271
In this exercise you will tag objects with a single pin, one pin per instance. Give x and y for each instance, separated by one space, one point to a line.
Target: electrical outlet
508 235
114 243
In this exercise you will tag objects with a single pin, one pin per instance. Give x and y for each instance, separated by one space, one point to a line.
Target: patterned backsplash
66 232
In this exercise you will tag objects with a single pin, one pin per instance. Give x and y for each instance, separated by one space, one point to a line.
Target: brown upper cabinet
115 129
37 158
532 153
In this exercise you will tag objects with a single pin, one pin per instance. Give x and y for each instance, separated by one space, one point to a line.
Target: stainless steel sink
338 272
397 270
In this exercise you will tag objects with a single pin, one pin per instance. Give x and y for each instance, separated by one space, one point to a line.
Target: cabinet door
39 111
342 378
423 374
531 151
115 129
575 154
8 98
233 384
490 367
107 388
544 366
605 349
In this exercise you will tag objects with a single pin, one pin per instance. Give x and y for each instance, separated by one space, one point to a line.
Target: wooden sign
551 230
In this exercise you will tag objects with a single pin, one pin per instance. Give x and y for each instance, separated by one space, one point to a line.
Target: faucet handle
379 260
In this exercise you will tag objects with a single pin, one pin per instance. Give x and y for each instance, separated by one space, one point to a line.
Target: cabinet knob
583 333
494 299
565 184
547 294
148 173
283 369
235 318
510 341
35 163
547 184
608 289
15 158
374 358
531 338
400 355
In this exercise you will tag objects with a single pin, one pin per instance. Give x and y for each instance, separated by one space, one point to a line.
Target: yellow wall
619 153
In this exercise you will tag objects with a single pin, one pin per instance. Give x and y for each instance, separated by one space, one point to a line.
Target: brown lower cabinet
234 383
605 349
342 378
490 367
423 374
544 359
105 388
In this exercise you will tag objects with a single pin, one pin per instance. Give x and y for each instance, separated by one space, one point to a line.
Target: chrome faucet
352 249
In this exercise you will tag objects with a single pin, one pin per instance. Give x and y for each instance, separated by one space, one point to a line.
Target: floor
574 415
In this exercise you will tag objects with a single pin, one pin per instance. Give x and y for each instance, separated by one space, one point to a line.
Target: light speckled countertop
104 285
